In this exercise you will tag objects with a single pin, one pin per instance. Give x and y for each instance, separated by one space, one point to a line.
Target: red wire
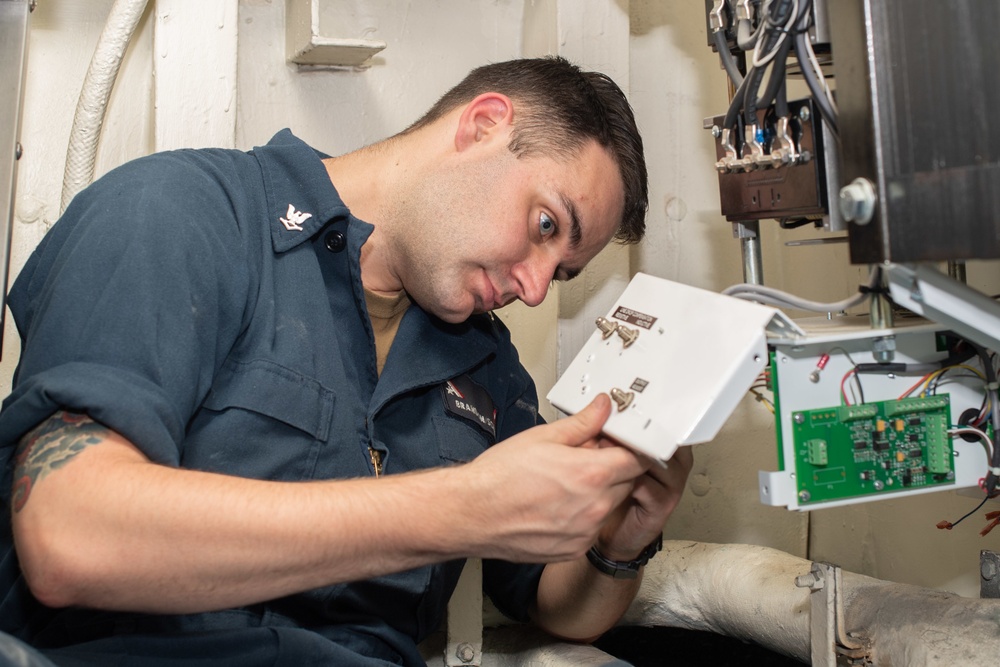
843 380
919 382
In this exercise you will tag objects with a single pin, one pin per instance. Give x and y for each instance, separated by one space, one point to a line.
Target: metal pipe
880 310
753 264
749 592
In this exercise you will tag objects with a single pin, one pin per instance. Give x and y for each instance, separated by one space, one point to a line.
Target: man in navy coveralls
263 410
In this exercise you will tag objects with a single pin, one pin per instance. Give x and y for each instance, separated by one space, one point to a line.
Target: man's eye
546 225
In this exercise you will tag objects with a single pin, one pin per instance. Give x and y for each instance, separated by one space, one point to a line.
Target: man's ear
484 118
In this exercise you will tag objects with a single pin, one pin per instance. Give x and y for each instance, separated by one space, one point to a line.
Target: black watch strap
624 569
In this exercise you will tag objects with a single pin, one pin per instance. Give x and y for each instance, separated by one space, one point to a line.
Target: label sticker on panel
634 317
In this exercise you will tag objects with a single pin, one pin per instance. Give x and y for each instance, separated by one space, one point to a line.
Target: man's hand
575 600
640 518
548 491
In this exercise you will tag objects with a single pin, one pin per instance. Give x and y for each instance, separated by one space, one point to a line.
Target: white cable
987 441
92 105
758 61
774 297
819 74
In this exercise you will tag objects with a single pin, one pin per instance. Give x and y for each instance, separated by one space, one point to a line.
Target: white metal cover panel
696 354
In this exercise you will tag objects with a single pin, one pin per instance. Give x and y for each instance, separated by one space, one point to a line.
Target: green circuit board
872 448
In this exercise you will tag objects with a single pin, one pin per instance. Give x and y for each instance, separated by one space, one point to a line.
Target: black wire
857 381
728 61
809 74
733 113
938 380
986 398
987 497
793 223
781 97
991 383
774 32
754 78
776 80
959 352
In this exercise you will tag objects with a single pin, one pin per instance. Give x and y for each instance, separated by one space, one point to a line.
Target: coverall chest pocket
260 420
459 442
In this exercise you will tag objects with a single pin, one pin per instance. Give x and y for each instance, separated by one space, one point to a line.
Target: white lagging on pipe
749 592
92 105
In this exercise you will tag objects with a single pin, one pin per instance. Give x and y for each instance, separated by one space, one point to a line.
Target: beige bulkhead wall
674 82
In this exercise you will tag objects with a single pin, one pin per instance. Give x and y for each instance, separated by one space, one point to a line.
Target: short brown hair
562 108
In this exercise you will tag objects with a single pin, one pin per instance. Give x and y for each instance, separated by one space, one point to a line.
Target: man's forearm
577 602
115 531
97 524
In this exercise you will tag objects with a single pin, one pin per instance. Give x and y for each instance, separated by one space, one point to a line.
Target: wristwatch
624 569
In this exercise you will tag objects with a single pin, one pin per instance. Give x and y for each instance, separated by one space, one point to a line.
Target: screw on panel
857 201
622 398
465 652
799 418
884 349
804 496
805 114
607 327
810 581
716 131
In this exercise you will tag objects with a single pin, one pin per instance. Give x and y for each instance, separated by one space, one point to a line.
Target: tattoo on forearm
53 444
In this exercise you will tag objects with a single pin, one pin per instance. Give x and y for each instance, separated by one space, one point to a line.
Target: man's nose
533 278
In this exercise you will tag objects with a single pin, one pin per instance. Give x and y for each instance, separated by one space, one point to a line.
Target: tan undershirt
386 312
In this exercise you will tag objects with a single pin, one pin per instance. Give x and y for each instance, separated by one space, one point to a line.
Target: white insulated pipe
92 105
749 592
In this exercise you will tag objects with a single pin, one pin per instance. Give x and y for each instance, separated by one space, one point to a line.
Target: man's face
493 228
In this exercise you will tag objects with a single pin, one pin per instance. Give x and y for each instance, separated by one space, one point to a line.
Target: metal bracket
305 45
927 292
465 618
989 572
830 640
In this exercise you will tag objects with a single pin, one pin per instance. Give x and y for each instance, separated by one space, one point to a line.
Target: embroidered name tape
466 399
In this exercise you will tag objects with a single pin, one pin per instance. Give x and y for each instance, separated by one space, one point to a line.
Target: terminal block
780 167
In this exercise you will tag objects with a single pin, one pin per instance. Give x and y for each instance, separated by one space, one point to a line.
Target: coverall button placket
335 241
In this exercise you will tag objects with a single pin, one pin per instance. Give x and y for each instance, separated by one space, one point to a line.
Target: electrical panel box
845 439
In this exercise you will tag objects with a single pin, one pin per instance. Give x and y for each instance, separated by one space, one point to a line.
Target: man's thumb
586 424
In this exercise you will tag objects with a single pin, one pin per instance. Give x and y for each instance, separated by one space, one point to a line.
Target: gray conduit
90 109
749 592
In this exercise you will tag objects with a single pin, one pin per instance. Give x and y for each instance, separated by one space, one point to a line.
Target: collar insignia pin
293 219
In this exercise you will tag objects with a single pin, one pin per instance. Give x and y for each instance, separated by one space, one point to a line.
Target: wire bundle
782 29
773 297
